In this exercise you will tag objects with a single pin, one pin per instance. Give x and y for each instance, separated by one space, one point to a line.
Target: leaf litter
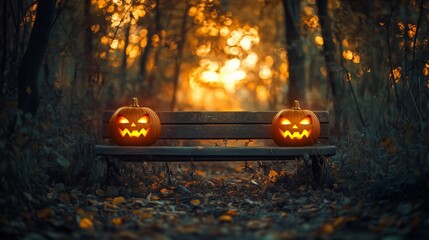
217 202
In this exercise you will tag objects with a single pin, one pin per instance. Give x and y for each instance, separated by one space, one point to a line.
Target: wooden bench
180 130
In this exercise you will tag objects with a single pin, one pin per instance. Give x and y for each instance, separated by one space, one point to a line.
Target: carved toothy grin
296 135
134 133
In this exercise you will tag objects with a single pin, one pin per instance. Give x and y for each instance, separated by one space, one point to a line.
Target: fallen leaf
80 212
164 191
118 200
108 205
117 221
187 228
85 223
254 182
225 218
196 202
154 198
143 213
257 224
273 176
327 229
387 221
231 212
339 221
45 213
231 193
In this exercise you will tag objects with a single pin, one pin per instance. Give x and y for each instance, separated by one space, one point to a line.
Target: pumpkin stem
135 102
296 105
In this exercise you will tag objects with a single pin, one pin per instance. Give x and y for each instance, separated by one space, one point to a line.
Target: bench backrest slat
219 125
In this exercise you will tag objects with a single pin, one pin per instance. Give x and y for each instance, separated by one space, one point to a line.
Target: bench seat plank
199 153
220 131
222 117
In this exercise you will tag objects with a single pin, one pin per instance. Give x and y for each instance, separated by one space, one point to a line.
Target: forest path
220 203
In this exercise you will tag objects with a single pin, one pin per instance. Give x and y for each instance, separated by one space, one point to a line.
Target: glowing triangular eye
305 121
122 119
285 121
144 119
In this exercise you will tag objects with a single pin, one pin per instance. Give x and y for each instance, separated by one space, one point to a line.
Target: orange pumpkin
295 127
134 125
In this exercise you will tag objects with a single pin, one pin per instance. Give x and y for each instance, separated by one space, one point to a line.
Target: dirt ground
218 201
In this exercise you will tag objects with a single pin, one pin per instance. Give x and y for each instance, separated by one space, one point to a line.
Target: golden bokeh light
318 40
224 31
356 58
250 61
245 43
231 65
412 28
114 44
234 50
396 74
262 93
265 72
210 76
348 54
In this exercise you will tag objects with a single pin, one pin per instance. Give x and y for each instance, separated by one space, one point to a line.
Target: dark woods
64 62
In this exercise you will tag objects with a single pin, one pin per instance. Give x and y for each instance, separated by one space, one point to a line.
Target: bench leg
316 166
112 171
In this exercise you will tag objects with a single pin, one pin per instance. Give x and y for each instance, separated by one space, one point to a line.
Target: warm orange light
356 58
348 54
285 121
396 74
144 119
122 119
305 121
210 76
246 43
265 72
297 135
412 30
114 44
134 133
318 40
232 64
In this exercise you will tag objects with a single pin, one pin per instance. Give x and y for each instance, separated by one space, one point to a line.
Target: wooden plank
219 131
197 153
219 117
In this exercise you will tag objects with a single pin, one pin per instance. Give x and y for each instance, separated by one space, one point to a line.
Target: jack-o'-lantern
295 127
134 125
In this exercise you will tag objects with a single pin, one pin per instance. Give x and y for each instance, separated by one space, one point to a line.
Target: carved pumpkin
134 125
295 127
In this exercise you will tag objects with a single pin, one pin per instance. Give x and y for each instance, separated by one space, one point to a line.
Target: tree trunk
329 52
145 55
124 59
28 91
295 54
179 55
158 49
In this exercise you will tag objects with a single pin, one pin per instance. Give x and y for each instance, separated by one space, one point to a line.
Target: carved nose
133 124
295 126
